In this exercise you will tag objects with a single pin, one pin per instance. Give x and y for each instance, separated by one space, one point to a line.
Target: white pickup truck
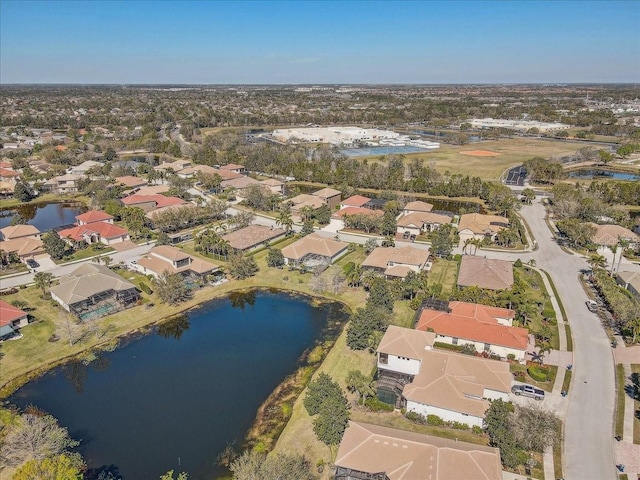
528 391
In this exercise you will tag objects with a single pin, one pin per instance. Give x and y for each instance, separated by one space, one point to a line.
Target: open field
512 152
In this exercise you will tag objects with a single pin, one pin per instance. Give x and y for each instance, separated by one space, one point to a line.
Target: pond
176 398
44 216
601 174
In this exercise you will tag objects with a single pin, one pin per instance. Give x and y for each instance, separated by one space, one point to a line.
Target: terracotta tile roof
23 246
160 200
457 382
314 244
610 234
103 229
5 172
252 236
94 216
481 224
485 273
472 329
355 201
418 206
18 231
9 313
482 313
405 342
410 456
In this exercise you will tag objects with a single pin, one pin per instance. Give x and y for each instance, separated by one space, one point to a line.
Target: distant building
519 125
67 183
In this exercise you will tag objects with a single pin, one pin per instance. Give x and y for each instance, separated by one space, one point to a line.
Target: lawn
548 385
513 151
444 272
13 269
566 383
85 253
620 393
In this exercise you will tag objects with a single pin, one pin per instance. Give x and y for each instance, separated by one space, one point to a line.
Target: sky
319 42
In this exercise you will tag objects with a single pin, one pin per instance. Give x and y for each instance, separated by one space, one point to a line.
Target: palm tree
614 250
623 243
43 280
597 261
306 212
467 242
284 220
354 278
545 347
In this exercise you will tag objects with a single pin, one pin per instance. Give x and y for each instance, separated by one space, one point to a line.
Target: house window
487 347
384 358
454 341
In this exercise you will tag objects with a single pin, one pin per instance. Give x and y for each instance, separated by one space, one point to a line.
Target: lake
44 216
599 174
175 398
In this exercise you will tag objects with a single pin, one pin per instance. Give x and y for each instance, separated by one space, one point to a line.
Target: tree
364 323
241 267
318 391
253 465
623 243
275 258
529 195
370 245
35 437
284 220
441 242
358 383
597 261
54 245
380 294
43 281
535 428
243 219
22 191
67 466
497 425
169 476
307 228
326 399
171 288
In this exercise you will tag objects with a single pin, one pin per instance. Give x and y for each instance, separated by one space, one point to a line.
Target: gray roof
88 280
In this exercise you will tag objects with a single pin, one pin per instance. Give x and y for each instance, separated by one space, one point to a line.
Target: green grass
566 383
567 329
620 382
85 253
536 293
557 460
13 269
635 368
548 385
444 272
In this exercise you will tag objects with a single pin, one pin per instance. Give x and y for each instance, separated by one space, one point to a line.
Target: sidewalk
627 452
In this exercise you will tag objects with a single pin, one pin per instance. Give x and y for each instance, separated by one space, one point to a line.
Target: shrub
477 430
416 418
459 426
435 421
447 346
519 375
549 312
376 405
539 374
145 288
517 263
468 349
511 357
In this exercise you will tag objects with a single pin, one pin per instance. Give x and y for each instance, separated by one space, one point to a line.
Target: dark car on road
31 263
528 391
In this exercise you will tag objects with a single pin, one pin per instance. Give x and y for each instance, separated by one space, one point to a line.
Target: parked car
592 305
528 391
31 263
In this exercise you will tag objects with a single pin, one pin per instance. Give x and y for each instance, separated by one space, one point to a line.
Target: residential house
457 387
234 168
418 223
336 222
300 202
240 185
252 237
62 184
480 226
165 258
609 235
373 452
630 281
84 167
93 290
485 272
92 227
399 356
174 167
12 316
22 240
329 196
488 329
397 262
12 232
275 186
314 250
93 216
130 181
354 201
416 207
149 203
149 190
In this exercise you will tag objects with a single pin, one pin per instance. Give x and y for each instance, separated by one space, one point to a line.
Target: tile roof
454 381
17 231
480 224
93 216
160 200
9 313
240 182
87 281
357 211
405 342
473 329
251 236
23 246
172 253
611 234
232 166
383 257
355 201
409 456
131 181
327 192
418 206
314 244
418 219
103 229
485 273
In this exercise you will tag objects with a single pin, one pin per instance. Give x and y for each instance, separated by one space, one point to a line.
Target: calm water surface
589 174
174 399
44 216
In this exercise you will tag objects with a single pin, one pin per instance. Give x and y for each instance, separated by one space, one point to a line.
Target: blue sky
319 42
